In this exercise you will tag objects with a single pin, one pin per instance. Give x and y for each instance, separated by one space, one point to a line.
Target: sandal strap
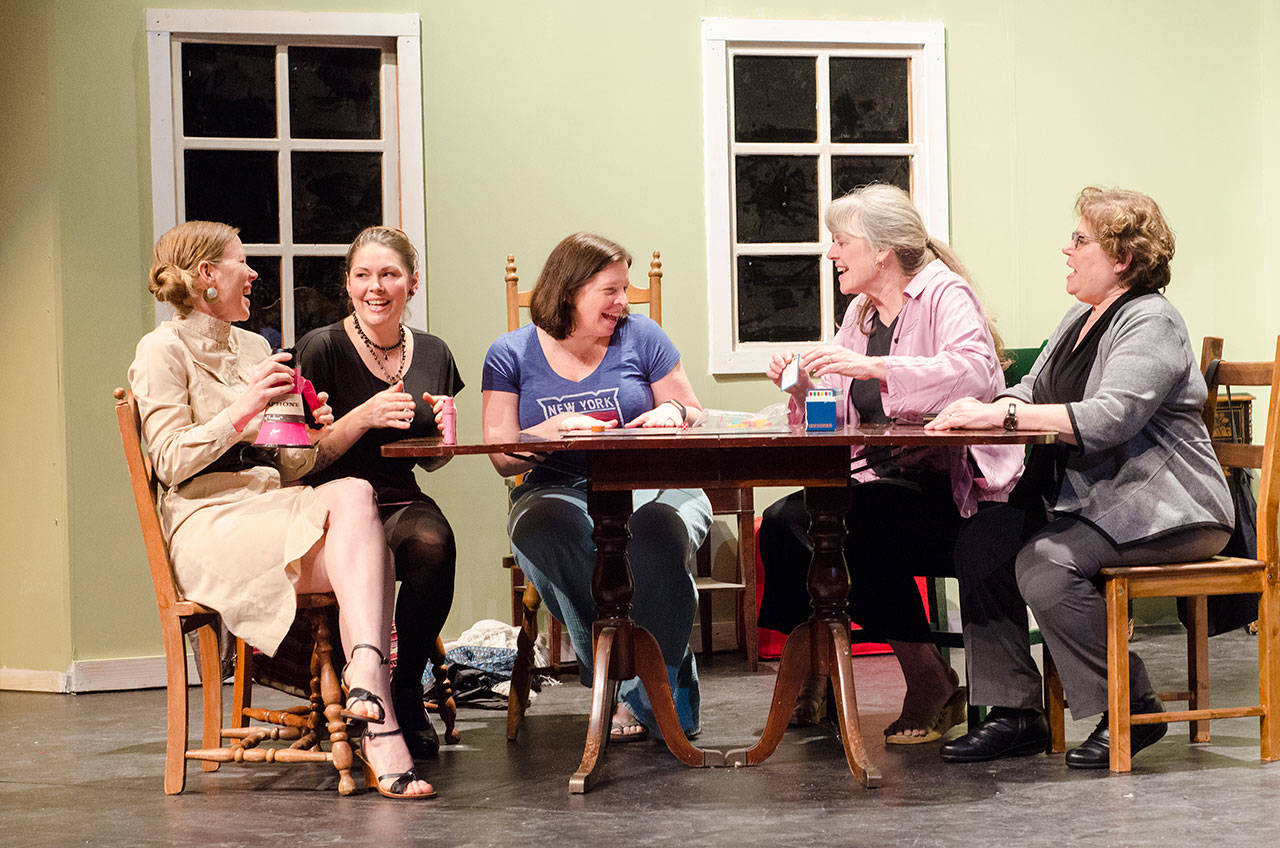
369 734
361 694
403 779
373 648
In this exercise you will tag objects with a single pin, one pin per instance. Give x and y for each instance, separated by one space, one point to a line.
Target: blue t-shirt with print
618 390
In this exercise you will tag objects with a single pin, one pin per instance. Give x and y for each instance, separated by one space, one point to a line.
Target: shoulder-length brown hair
574 261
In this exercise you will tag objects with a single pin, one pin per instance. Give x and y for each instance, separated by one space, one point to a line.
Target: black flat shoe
1005 733
1095 753
419 734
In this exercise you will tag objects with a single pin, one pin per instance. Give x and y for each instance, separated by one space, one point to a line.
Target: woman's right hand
780 361
268 380
392 407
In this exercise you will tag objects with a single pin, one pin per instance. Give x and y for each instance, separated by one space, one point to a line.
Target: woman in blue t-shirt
582 362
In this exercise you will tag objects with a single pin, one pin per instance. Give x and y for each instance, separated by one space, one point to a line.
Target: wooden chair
304 727
525 600
1195 581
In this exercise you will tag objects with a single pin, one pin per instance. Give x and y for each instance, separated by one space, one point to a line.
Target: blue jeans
550 532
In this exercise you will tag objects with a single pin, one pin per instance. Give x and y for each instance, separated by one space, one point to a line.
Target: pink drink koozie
449 422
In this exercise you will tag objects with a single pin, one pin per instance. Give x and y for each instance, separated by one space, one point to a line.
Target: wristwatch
1011 417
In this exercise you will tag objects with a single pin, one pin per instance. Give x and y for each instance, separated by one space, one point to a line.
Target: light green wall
544 118
34 625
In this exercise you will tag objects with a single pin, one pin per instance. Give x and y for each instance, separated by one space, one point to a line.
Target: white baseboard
95 676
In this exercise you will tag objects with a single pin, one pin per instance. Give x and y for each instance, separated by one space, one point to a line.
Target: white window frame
404 176
923 42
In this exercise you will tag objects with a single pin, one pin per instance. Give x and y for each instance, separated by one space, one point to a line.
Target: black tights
426 556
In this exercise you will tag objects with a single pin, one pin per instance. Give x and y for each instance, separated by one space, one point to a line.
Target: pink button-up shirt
941 351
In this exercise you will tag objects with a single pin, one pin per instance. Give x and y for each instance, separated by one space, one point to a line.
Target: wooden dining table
621 461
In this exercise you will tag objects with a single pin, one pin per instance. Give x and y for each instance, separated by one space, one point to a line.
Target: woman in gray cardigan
1133 480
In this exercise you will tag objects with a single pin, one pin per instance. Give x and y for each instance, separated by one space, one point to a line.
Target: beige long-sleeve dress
235 536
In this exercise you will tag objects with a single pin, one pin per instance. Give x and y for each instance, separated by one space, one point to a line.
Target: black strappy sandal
402 779
356 721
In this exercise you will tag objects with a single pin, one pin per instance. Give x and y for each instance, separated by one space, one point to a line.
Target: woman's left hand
323 414
436 402
968 414
835 359
663 415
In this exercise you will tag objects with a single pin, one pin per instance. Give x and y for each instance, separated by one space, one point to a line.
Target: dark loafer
1005 733
1095 753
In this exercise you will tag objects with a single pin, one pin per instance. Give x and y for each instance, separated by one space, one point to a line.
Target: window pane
850 172
870 100
264 301
237 187
335 196
228 90
775 98
334 92
841 300
777 198
319 292
779 299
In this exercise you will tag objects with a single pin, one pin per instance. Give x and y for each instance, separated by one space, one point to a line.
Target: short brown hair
1129 225
572 263
177 255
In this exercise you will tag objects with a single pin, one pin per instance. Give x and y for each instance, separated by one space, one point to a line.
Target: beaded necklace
381 360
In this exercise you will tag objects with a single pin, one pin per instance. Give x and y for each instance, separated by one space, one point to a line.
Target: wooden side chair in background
1195 581
525 600
304 727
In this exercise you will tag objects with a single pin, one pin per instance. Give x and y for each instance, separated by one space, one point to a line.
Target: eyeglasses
1079 240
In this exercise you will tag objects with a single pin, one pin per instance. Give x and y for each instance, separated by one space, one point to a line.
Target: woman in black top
387 382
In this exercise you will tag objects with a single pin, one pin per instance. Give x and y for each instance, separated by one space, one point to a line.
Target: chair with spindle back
525 601
304 727
1196 581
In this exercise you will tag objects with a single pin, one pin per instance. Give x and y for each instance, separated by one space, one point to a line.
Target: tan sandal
954 711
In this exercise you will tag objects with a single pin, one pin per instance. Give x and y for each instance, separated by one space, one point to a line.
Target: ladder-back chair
1195 581
525 600
304 727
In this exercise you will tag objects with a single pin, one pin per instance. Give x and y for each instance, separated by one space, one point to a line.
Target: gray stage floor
86 770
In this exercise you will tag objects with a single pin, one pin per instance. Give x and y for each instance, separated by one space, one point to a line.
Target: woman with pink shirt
913 339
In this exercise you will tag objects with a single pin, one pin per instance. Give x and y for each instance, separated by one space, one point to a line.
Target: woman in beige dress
241 540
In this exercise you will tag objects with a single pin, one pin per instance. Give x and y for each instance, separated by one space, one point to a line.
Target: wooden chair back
652 296
142 480
1263 456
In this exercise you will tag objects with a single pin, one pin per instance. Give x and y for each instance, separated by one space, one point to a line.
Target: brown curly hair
1129 224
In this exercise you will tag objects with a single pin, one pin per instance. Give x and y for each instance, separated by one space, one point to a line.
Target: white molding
281 23
925 40
412 159
121 673
878 33
32 680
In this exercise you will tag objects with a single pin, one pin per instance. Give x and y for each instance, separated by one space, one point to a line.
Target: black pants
426 556
897 529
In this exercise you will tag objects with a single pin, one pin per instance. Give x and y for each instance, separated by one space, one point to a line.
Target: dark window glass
779 299
841 300
775 98
334 92
850 172
319 292
237 187
264 302
228 91
335 196
870 100
777 198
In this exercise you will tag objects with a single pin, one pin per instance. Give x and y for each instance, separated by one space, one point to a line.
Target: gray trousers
1002 572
